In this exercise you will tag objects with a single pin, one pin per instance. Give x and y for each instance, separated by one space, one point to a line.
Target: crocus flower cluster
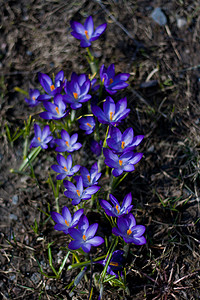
62 98
84 237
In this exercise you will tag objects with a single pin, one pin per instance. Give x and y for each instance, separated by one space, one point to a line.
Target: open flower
125 162
121 143
84 237
92 177
87 124
66 221
51 88
67 143
64 167
113 82
85 33
77 90
129 231
115 264
111 114
33 97
117 210
77 193
42 137
56 110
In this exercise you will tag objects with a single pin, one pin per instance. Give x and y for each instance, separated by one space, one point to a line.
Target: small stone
13 217
15 199
159 17
181 22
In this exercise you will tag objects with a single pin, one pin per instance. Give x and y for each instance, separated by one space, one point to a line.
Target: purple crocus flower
85 33
51 88
87 124
111 114
77 193
96 147
33 97
113 82
66 221
56 110
125 162
64 167
117 210
121 143
67 143
42 137
77 90
129 231
84 237
92 177
115 264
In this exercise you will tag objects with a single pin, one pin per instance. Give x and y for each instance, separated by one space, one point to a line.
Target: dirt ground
164 97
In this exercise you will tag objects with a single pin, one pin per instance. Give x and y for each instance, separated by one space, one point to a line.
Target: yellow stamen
67 143
87 36
34 98
88 124
117 208
110 81
78 192
111 115
115 264
84 237
52 87
67 223
57 110
88 177
75 95
39 139
129 232
103 80
120 162
65 169
123 145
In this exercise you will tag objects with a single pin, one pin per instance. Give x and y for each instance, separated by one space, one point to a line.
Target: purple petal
96 241
91 231
73 245
66 214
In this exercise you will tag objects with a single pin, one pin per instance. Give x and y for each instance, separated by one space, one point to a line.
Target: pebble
13 217
181 22
15 199
159 17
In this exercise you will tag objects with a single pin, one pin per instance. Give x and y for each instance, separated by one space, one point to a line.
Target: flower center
52 87
123 145
88 124
88 177
120 162
65 169
117 208
84 237
67 143
111 115
39 139
67 223
78 192
103 79
34 98
129 231
86 34
57 110
115 264
110 81
75 95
